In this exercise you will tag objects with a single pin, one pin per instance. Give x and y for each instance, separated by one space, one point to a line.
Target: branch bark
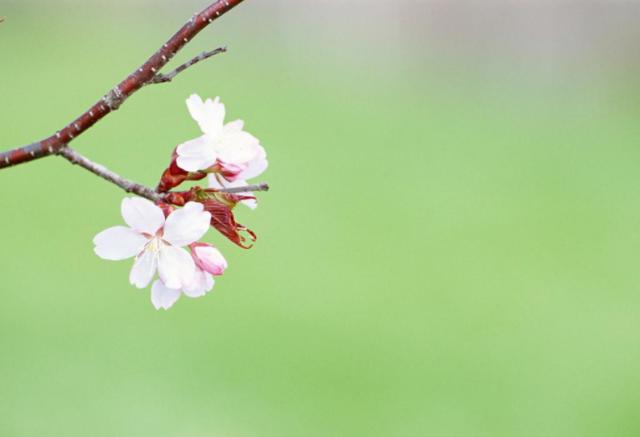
142 76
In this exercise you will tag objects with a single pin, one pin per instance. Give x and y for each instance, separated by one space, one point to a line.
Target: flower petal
162 296
257 166
202 145
208 114
238 147
250 203
234 126
143 269
175 267
187 225
118 243
142 215
196 154
202 283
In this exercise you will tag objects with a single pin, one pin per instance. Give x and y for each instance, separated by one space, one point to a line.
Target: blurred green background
450 247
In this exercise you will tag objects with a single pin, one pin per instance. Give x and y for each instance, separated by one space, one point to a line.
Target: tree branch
74 157
113 99
163 78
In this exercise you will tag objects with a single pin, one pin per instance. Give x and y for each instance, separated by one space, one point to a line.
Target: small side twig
74 157
168 77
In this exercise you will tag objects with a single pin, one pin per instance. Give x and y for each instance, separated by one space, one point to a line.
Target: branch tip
168 77
146 74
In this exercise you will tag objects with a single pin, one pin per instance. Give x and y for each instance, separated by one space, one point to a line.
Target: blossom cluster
164 237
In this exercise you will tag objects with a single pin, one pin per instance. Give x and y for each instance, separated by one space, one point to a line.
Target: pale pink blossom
156 243
238 176
227 144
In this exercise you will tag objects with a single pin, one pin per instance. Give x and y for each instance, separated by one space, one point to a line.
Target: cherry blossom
156 243
227 143
165 241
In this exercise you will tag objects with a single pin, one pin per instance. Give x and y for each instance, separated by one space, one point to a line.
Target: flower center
154 244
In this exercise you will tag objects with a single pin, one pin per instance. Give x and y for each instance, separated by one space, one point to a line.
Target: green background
447 250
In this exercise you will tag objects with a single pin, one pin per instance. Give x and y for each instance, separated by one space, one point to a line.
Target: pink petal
175 267
143 269
142 215
187 225
257 166
202 283
238 148
208 114
162 296
250 203
196 154
234 126
118 243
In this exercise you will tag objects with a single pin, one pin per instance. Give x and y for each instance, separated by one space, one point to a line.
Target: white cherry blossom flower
225 143
240 179
156 243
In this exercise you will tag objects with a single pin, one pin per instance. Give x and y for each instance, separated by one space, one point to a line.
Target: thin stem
245 189
74 157
168 77
121 92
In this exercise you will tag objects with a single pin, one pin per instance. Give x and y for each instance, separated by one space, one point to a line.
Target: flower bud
208 258
230 171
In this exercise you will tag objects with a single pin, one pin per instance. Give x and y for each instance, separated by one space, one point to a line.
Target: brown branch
76 158
118 94
168 77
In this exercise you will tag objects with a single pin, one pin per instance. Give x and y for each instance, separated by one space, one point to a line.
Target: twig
163 78
74 157
245 189
114 98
